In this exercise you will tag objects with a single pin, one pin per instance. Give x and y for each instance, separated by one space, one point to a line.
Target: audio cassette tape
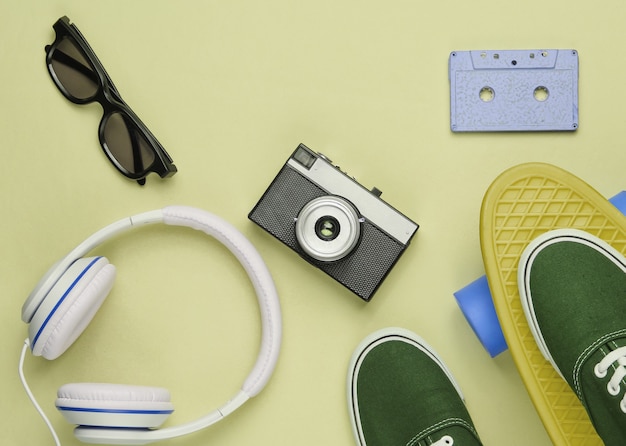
513 90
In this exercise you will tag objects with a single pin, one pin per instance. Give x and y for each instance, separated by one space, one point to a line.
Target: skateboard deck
521 204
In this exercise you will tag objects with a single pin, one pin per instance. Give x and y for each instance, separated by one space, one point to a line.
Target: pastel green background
230 88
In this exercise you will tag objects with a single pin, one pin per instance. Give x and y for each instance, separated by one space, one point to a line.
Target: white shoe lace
601 369
446 440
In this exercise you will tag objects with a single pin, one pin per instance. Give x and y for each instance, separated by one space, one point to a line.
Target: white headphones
68 296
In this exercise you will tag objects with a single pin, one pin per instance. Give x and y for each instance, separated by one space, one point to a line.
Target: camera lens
328 228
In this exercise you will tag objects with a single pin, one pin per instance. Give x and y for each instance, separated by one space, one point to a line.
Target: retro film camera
333 222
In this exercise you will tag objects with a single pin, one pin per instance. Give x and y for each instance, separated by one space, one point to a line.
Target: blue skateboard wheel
477 307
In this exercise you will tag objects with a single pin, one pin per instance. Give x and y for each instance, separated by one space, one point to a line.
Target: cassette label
513 90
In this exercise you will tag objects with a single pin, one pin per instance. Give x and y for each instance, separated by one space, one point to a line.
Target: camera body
333 222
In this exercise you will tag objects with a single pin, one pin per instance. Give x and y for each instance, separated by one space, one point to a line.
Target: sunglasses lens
73 71
127 145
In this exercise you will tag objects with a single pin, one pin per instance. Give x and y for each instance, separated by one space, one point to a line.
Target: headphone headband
256 270
258 273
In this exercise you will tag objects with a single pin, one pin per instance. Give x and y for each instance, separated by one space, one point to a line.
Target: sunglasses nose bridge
111 94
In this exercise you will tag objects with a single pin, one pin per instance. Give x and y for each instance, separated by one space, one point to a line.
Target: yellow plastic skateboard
522 203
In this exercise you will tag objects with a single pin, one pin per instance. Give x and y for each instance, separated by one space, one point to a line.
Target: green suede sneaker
401 394
573 291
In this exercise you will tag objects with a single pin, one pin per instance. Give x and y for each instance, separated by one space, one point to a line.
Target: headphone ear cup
114 405
70 305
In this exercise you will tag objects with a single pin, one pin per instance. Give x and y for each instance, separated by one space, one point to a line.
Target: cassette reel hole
541 93
486 94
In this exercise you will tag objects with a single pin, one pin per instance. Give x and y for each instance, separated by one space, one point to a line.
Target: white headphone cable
30 394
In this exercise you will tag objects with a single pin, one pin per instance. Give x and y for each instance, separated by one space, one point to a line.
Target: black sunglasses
77 72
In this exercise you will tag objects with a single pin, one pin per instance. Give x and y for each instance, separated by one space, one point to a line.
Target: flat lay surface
230 89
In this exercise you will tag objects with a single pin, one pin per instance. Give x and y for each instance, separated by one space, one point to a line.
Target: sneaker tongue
603 408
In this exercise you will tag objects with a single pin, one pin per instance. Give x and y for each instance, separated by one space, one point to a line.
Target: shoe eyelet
614 391
599 372
622 405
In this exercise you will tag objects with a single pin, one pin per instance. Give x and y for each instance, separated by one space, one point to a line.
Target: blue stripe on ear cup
58 304
122 411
